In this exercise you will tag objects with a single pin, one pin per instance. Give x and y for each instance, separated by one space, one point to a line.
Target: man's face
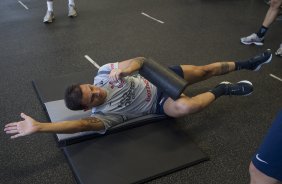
92 96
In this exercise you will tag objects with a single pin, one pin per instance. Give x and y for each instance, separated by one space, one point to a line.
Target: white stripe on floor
23 5
91 61
152 18
275 77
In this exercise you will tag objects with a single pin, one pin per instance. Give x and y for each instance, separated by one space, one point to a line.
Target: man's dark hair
73 97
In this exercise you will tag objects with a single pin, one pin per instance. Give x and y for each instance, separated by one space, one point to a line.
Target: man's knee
258 177
252 169
254 174
186 108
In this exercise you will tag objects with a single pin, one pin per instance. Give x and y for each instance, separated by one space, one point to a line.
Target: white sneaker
72 11
279 51
49 17
252 39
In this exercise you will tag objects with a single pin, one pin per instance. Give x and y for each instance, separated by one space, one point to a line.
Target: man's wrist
39 127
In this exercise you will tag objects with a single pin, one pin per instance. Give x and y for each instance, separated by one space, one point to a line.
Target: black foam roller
163 78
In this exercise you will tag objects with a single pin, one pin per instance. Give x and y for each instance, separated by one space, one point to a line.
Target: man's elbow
140 61
91 126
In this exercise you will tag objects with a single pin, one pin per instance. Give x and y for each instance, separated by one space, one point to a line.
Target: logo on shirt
128 96
148 90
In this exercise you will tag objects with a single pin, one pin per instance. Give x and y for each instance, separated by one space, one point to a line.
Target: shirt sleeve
103 73
109 120
107 68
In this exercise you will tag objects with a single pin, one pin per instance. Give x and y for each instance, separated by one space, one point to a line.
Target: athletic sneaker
72 11
242 88
279 51
48 18
252 39
256 62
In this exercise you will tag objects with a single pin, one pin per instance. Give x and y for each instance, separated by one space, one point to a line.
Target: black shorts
161 97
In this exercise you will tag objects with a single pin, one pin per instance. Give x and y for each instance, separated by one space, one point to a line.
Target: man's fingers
12 131
10 128
11 124
23 115
15 136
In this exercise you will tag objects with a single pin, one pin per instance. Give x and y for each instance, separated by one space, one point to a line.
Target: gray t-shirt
130 97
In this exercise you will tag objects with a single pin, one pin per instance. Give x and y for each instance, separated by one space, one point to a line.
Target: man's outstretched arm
30 126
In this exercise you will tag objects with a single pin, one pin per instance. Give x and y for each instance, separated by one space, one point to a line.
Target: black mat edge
112 131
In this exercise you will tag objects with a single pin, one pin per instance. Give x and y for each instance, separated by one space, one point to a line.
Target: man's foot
279 51
49 17
252 39
72 11
242 88
256 62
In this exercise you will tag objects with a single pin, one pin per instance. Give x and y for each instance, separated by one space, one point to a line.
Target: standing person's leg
271 15
258 177
72 9
49 17
257 38
266 165
272 12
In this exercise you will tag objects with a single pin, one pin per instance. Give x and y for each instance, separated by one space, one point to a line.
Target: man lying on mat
117 96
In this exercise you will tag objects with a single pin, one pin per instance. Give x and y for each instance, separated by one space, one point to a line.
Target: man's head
84 96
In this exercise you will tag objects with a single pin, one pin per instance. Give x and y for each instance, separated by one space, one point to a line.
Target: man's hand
116 75
22 128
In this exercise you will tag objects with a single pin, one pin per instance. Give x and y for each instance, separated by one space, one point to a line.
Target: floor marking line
91 61
152 18
23 5
275 77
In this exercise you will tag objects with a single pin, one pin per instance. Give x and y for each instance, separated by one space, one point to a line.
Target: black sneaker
242 88
256 62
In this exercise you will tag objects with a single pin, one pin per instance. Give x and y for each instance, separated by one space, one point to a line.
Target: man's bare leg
194 74
257 177
186 105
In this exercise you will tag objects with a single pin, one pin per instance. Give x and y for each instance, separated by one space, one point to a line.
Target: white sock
71 2
50 5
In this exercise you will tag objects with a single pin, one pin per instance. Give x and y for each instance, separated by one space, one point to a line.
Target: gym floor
194 32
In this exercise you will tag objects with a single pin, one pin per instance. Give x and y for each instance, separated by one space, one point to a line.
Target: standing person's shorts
268 158
163 97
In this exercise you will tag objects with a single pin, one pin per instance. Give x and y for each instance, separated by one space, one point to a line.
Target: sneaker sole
259 66
225 82
49 21
249 43
74 15
248 82
277 54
